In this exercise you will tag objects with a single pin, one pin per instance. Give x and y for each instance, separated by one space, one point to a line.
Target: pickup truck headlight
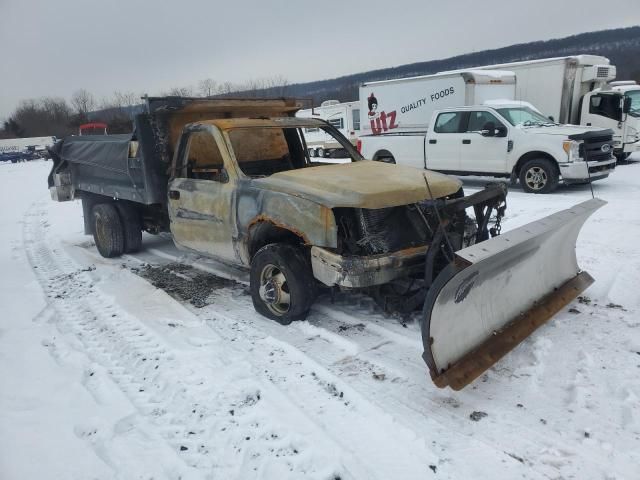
572 149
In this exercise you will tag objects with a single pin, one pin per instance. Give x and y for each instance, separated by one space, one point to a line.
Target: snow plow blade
497 292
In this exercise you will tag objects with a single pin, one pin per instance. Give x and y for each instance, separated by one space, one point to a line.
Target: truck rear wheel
107 230
132 227
539 176
281 282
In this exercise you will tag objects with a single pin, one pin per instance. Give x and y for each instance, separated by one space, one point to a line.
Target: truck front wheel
539 176
107 230
281 283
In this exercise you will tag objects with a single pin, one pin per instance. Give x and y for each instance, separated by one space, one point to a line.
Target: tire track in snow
354 357
182 402
239 324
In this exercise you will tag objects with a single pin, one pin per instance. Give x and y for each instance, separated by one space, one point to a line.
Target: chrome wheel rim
274 290
536 178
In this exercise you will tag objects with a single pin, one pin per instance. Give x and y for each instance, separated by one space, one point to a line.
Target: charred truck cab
232 179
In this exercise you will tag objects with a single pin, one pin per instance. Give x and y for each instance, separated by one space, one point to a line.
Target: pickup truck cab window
263 151
449 122
202 159
478 119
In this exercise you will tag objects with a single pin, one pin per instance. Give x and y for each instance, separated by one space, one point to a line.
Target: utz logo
380 121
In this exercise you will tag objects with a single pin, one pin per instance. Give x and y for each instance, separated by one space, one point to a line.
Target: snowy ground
106 375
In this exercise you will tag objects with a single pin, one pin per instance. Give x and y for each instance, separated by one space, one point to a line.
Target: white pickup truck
500 139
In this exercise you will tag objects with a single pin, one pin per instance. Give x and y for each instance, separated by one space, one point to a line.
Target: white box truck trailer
577 90
405 105
467 123
345 117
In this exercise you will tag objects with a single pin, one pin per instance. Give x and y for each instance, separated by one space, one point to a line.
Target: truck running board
497 292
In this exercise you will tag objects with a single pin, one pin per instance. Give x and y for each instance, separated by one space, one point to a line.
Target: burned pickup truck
232 179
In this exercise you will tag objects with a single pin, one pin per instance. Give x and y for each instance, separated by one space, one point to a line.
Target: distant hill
621 46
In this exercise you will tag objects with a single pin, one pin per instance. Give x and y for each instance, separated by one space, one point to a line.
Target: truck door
201 200
484 153
444 141
603 110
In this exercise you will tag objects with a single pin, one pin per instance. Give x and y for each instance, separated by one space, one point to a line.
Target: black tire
539 176
107 230
131 225
299 284
384 156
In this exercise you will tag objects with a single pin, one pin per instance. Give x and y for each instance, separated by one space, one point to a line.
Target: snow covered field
141 368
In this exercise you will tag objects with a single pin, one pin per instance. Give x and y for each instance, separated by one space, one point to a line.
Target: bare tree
181 91
125 99
43 117
225 88
207 87
84 102
277 86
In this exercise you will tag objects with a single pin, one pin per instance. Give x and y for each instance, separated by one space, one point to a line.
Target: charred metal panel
365 271
312 222
203 217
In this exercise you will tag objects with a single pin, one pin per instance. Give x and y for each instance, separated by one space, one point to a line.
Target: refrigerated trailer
345 117
578 90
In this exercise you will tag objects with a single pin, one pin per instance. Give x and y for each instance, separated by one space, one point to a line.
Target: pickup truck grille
594 150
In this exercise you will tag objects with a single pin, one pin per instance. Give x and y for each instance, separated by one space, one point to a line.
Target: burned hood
363 184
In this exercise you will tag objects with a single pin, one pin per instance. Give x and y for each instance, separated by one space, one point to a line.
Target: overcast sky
54 47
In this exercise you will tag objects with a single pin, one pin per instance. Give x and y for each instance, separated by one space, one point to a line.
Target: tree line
55 116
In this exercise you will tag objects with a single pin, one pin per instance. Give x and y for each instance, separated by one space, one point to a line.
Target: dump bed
135 166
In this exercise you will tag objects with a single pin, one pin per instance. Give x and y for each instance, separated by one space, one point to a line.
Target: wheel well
382 154
265 232
530 156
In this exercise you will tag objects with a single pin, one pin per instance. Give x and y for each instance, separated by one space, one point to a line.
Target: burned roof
265 122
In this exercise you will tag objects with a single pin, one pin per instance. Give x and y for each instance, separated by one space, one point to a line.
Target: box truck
466 123
345 117
405 105
578 90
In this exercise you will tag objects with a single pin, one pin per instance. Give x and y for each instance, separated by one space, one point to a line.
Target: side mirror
488 130
501 131
550 117
626 104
